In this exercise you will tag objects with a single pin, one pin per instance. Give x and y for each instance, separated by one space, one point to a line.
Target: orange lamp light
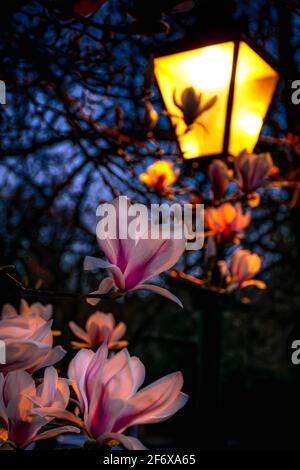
234 87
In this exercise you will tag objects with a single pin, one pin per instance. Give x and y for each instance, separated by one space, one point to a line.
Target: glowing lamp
226 87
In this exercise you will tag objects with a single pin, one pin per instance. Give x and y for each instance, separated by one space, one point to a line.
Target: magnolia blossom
100 328
87 7
160 175
243 267
107 391
26 310
218 175
28 339
253 170
131 261
226 221
20 398
191 105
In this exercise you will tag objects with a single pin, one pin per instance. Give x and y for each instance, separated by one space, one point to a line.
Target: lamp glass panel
255 83
208 70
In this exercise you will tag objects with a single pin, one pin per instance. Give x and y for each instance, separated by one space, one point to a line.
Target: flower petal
130 443
56 432
160 291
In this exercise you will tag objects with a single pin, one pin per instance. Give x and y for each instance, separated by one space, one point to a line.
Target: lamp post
217 96
234 84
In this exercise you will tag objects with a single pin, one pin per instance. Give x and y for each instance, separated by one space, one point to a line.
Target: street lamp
227 85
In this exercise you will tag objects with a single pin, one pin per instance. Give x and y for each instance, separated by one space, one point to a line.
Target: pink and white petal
79 332
54 355
101 320
93 300
46 312
114 365
42 332
104 287
8 311
152 257
57 413
99 328
18 383
77 372
56 432
18 408
62 396
138 371
130 443
158 290
47 389
118 249
119 331
23 355
154 403
91 263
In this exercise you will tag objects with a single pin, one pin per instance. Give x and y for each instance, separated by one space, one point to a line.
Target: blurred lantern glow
234 87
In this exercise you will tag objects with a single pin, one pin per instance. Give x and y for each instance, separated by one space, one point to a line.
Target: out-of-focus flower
219 178
243 267
87 7
253 170
132 261
100 328
191 105
150 118
26 310
20 398
160 175
28 339
226 222
107 391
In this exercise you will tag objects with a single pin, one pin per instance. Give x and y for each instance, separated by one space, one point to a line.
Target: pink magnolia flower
20 398
133 260
226 221
243 267
28 340
107 391
100 328
87 7
26 310
253 169
219 178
